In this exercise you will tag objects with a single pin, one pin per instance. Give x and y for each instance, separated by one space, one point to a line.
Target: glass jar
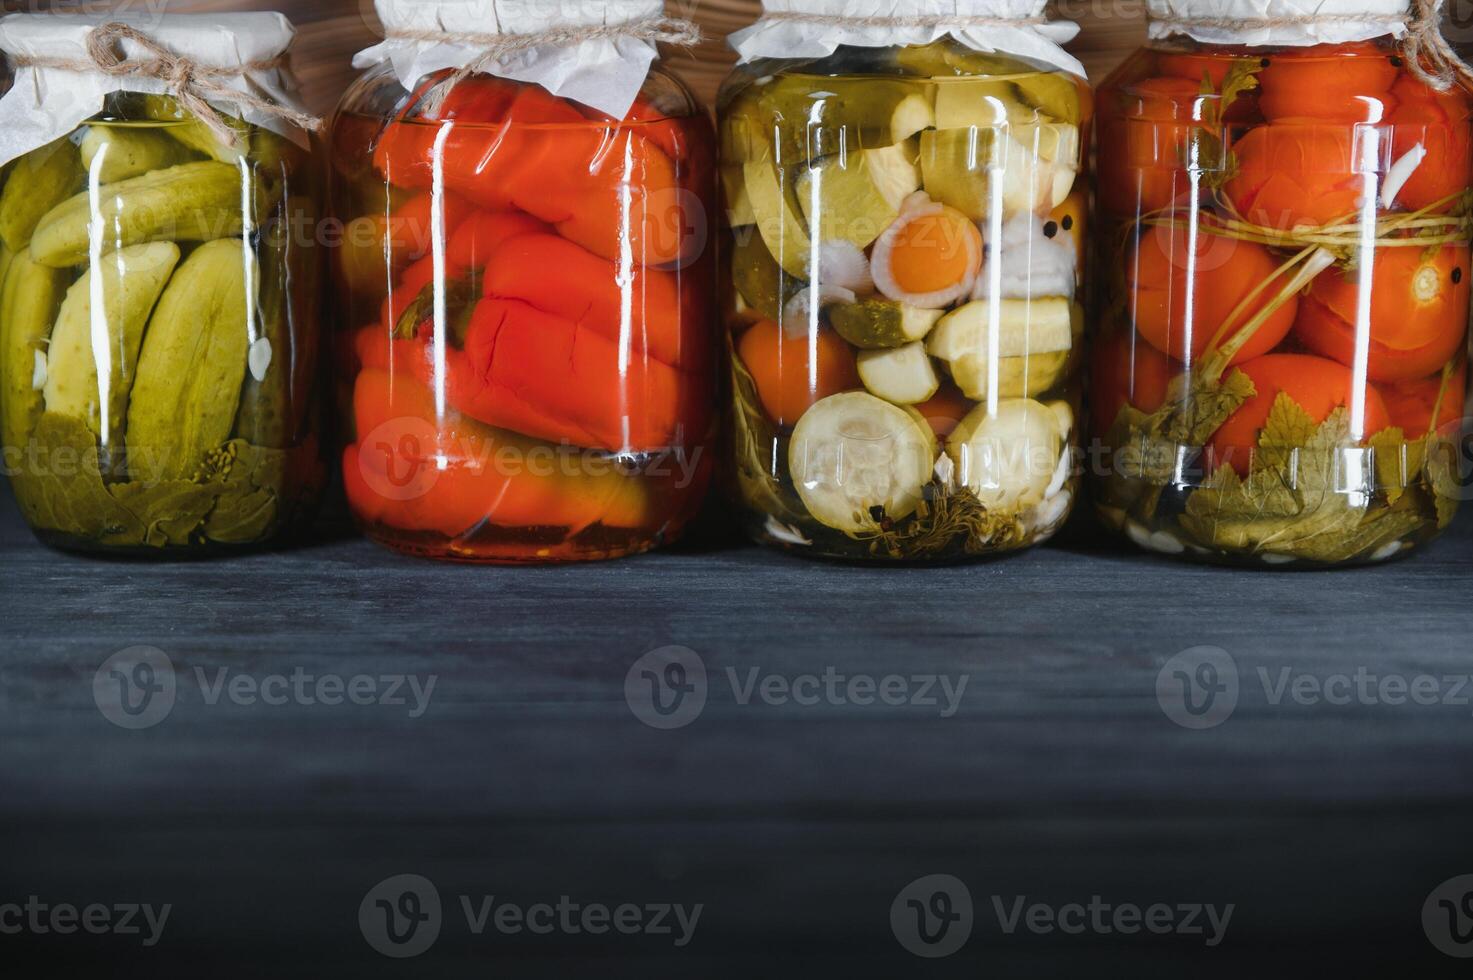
1280 361
905 259
527 360
159 316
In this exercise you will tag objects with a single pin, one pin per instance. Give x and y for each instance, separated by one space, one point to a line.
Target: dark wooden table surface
529 777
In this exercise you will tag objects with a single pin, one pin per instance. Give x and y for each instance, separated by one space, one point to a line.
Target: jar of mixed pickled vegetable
1281 357
527 350
159 305
905 212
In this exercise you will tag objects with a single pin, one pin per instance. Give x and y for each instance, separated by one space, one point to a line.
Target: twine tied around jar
902 23
188 81
1428 54
495 47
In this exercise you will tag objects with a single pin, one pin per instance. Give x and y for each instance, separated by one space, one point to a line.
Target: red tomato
1411 402
1418 317
1292 174
1182 296
1126 370
1318 386
1212 69
1144 144
1438 122
1347 83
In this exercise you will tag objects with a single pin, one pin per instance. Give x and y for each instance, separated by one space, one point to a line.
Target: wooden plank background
331 30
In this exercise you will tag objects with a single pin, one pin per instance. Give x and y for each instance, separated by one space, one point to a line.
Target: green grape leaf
244 479
169 513
60 487
1195 408
1290 503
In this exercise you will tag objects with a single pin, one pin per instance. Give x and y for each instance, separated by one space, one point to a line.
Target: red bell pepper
605 187
417 470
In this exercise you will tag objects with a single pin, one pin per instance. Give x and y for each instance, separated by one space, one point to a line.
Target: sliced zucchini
1040 326
1009 459
1036 343
856 200
903 375
739 210
1025 168
780 226
876 324
1020 99
856 458
1017 377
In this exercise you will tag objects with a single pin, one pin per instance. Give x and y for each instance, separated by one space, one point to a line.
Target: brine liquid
527 371
1280 347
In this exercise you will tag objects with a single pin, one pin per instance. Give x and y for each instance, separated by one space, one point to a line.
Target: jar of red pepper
526 349
1281 342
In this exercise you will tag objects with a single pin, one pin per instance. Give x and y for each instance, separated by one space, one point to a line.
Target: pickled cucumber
903 376
113 153
758 277
876 324
38 182
273 406
95 389
857 460
739 212
854 197
194 359
948 57
1009 459
29 302
796 119
192 202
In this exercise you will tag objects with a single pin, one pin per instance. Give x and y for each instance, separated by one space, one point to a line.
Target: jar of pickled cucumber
905 215
159 304
527 350
1281 358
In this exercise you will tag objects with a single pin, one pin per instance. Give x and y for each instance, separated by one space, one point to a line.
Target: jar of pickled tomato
160 285
905 217
527 356
1280 356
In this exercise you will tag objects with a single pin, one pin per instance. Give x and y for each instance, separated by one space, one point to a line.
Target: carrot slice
793 375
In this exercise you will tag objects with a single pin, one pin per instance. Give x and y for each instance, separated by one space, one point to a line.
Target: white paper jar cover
778 38
46 104
604 73
1336 22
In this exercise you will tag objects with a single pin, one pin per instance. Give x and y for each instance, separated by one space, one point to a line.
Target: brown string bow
192 83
